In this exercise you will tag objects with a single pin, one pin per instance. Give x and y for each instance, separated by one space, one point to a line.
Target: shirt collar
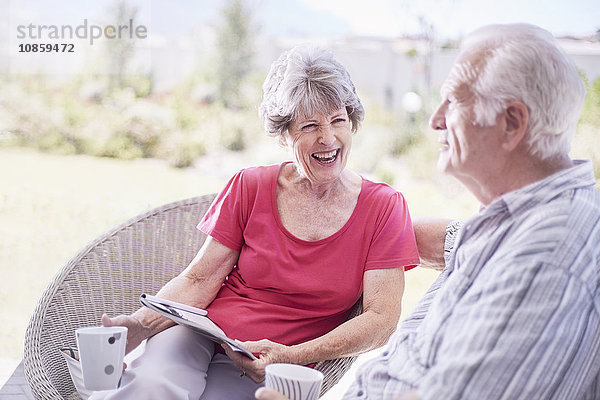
580 175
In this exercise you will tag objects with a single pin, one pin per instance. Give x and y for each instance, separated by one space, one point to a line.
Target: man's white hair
523 62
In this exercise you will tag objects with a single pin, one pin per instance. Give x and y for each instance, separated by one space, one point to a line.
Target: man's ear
516 115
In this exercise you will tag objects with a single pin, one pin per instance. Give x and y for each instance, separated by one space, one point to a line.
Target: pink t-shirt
291 290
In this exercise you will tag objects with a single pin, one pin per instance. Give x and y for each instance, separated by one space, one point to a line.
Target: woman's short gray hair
305 80
523 62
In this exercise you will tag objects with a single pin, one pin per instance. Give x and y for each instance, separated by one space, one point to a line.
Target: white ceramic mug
101 352
294 381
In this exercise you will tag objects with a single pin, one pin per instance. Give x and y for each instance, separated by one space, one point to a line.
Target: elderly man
516 312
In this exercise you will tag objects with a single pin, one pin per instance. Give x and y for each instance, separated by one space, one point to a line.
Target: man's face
468 150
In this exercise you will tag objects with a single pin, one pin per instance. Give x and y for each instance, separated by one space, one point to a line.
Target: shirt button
360 393
386 353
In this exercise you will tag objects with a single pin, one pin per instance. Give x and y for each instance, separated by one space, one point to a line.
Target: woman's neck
345 182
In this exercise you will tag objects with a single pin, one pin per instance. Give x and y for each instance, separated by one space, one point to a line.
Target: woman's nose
326 135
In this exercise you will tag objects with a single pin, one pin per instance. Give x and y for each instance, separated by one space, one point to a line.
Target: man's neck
516 173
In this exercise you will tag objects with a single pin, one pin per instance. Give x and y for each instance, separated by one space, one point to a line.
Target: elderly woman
290 249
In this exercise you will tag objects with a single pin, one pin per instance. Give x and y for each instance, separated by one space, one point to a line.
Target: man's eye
452 103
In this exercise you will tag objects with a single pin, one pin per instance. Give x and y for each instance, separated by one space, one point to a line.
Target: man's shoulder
566 210
582 227
563 232
587 199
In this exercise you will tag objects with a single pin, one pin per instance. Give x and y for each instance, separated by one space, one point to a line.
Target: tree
235 46
120 50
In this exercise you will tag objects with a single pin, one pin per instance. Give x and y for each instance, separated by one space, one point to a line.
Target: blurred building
383 69
386 69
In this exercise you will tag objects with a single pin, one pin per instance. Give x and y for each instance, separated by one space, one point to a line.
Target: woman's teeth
326 158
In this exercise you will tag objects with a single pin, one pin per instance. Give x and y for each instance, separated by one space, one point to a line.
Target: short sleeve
393 243
225 220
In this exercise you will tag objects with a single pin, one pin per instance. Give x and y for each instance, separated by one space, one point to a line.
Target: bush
58 143
590 113
121 146
144 125
237 129
585 142
182 148
84 116
142 85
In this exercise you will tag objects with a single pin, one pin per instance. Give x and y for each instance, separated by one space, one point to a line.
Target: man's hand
410 396
269 394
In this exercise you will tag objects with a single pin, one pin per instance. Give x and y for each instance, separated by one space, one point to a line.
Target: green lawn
51 206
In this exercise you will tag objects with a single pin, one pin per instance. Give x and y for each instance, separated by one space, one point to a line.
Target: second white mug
294 381
101 352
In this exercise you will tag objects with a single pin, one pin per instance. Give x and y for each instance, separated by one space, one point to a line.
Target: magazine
192 317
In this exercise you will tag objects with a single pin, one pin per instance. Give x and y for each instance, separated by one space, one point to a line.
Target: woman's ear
516 115
286 139
282 139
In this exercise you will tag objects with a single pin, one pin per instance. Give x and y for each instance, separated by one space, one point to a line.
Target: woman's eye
309 127
339 121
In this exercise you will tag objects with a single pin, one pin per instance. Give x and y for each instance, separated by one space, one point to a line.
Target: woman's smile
326 157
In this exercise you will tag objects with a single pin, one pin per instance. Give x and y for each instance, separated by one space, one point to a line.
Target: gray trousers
180 364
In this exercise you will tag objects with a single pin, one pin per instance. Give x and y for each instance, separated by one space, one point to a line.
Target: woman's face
321 145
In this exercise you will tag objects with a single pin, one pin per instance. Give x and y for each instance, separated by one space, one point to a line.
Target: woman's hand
267 352
136 332
197 285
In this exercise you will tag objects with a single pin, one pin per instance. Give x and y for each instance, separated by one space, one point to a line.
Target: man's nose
438 118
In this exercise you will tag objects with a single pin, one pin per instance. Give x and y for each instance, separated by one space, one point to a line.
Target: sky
386 18
188 22
390 18
454 18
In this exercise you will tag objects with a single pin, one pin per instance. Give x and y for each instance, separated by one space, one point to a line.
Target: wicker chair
138 256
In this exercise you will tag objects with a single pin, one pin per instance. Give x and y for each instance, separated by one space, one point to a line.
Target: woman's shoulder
258 175
380 189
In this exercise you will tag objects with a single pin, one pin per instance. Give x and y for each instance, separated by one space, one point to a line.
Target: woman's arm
382 300
197 285
430 234
382 295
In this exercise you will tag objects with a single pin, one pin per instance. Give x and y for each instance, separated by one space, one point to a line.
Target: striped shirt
516 312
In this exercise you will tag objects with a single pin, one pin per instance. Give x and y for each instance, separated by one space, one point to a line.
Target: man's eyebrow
446 90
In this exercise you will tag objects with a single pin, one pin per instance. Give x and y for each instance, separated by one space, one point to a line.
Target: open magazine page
192 317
